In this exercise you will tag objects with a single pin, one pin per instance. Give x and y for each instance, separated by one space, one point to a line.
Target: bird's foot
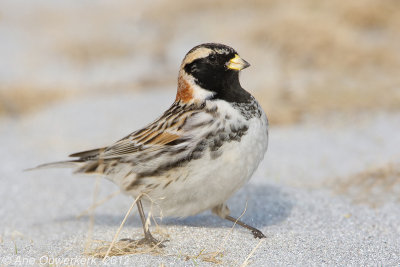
258 234
151 241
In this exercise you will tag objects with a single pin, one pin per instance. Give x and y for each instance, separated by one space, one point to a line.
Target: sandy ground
311 195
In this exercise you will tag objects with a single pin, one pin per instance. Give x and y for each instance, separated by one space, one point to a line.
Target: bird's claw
258 234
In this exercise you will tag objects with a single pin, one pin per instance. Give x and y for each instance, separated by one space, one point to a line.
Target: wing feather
172 131
175 134
93 153
167 129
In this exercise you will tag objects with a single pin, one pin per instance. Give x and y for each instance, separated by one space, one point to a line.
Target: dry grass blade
120 227
120 248
105 249
216 257
97 204
213 257
233 226
246 261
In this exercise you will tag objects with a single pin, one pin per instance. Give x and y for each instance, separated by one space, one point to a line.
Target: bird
198 153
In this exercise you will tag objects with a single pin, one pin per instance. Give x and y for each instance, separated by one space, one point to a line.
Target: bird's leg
256 233
148 238
222 211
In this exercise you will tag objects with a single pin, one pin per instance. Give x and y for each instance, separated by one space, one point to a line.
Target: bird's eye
212 58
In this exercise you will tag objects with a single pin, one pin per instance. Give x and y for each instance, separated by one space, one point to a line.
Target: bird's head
210 71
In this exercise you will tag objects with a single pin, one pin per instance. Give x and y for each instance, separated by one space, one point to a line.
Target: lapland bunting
199 152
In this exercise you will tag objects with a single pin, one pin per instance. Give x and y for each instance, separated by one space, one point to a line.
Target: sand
305 196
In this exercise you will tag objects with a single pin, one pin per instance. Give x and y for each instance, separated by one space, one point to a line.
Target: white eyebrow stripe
201 52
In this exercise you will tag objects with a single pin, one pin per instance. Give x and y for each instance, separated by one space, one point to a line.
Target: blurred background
309 57
77 75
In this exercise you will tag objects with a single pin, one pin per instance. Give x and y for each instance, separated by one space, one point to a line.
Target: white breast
208 182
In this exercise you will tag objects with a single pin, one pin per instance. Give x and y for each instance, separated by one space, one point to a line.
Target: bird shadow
262 205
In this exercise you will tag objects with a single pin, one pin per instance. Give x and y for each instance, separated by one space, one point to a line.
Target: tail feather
89 157
58 164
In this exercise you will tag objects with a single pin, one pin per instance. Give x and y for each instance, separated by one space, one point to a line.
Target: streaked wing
88 154
152 140
164 134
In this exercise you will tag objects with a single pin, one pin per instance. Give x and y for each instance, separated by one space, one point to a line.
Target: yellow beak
237 63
